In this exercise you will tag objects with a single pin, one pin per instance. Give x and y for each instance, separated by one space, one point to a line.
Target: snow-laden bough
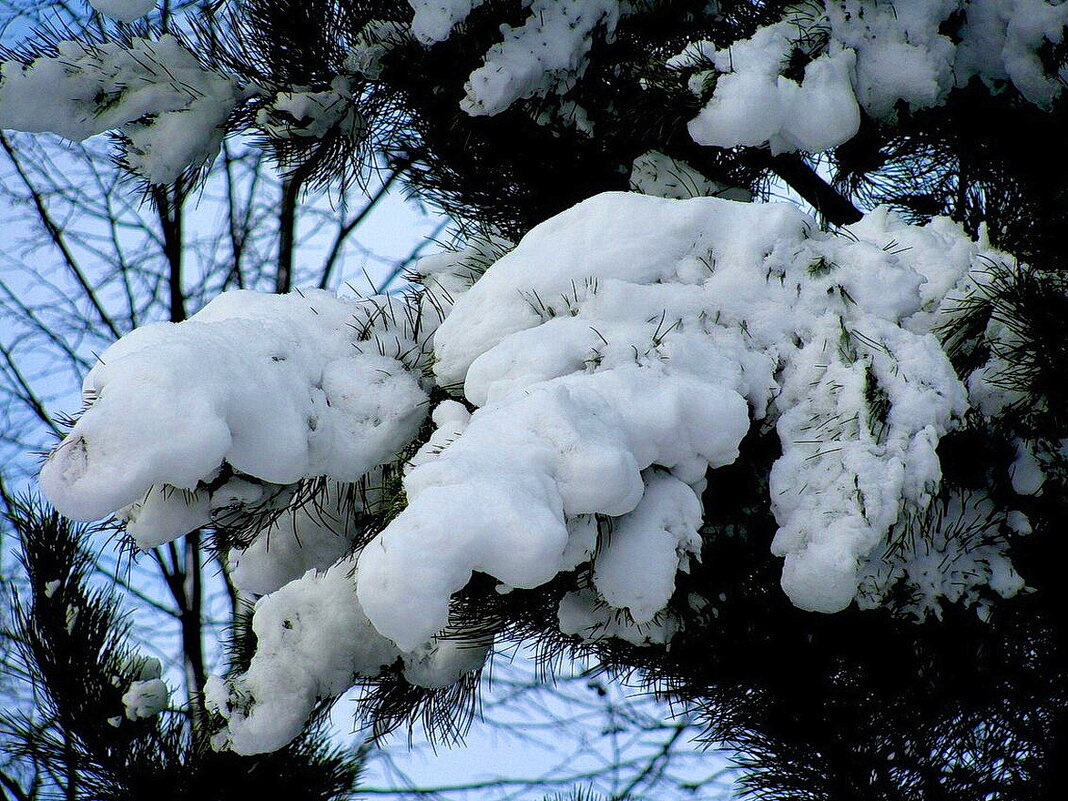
599 372
171 110
273 388
798 83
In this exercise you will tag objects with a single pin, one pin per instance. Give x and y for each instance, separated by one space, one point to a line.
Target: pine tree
102 726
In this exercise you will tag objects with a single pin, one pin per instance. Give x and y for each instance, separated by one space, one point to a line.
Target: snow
655 173
650 317
900 53
495 500
374 41
1017 522
544 55
869 55
1002 40
435 19
442 661
753 104
123 10
164 514
313 535
960 556
147 695
1026 471
856 55
145 699
312 641
154 91
311 114
635 570
597 373
992 390
582 614
275 387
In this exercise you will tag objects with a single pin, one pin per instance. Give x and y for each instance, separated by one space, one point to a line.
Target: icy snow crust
616 354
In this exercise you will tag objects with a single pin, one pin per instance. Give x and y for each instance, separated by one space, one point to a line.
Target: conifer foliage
95 732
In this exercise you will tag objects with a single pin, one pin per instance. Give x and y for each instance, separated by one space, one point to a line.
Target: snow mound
651 337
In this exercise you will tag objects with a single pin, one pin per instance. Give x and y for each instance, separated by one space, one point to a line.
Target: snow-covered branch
614 359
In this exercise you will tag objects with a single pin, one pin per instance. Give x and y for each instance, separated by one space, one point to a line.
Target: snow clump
657 174
123 10
147 695
799 84
312 641
312 533
545 55
655 334
271 388
303 113
754 103
155 92
435 19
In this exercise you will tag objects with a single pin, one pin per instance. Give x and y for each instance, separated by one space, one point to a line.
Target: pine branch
74 643
55 233
799 176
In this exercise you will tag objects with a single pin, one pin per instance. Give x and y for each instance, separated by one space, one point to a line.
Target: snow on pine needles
520 401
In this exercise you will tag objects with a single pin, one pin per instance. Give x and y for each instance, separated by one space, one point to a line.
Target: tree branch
292 185
29 397
56 235
344 232
799 176
169 210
